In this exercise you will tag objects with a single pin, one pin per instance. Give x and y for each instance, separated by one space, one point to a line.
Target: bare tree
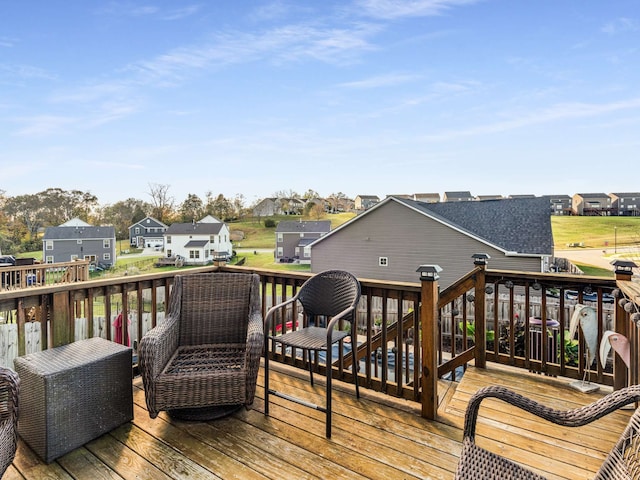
161 201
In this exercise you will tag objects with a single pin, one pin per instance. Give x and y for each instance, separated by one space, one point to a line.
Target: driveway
597 256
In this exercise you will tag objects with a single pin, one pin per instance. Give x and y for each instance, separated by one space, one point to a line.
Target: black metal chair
328 298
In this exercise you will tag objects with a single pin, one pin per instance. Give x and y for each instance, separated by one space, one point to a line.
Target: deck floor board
376 437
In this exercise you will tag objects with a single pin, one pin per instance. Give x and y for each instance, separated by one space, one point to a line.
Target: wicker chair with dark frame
328 299
9 390
202 361
622 462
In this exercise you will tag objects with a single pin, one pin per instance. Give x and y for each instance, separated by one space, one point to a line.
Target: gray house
148 232
77 240
626 204
294 237
362 202
457 197
390 240
560 204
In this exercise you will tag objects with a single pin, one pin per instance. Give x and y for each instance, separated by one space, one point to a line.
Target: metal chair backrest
329 293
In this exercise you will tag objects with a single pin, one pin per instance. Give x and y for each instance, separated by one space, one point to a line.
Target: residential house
267 207
625 204
147 232
591 204
363 202
390 240
294 237
457 197
560 204
481 198
427 197
77 240
200 243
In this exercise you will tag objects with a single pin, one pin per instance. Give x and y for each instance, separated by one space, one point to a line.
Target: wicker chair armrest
9 388
157 346
570 418
255 335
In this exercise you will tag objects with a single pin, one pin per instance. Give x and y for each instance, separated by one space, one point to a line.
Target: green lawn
595 232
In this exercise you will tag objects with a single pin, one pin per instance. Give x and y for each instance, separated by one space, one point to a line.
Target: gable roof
291 226
194 228
79 233
149 221
519 226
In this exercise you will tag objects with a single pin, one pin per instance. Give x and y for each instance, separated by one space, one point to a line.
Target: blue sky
369 97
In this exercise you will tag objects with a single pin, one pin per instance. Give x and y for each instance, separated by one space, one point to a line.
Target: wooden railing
410 334
38 274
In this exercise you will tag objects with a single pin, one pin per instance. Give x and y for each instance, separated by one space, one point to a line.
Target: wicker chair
326 299
623 462
202 361
9 389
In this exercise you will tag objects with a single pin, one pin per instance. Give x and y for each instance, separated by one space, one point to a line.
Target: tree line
23 218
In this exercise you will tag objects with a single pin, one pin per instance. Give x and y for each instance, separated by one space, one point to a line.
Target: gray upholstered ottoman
72 394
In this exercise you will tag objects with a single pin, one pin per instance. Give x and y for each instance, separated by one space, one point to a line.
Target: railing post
623 271
429 335
480 260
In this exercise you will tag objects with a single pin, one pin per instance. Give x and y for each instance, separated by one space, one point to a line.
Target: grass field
595 232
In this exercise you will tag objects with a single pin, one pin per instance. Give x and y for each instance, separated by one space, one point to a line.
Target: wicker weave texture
9 401
72 394
622 463
207 351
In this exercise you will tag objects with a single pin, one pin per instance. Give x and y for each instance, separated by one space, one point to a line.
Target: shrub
269 223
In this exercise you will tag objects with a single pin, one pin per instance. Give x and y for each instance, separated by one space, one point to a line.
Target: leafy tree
191 209
59 206
28 211
123 214
316 211
310 194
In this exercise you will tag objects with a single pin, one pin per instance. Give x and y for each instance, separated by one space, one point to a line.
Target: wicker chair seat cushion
479 464
202 375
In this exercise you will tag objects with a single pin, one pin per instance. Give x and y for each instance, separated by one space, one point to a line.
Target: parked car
589 297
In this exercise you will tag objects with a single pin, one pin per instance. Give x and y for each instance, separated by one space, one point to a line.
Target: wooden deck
377 437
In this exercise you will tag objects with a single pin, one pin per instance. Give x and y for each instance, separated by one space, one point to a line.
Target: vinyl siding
408 239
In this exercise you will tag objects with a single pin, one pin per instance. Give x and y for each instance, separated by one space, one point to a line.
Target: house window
79 242
106 256
49 259
212 239
280 237
49 244
194 254
168 253
302 235
106 243
168 238
137 230
280 252
307 252
383 261
74 258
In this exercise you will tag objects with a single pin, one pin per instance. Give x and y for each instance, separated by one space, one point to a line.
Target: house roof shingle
290 226
194 228
79 233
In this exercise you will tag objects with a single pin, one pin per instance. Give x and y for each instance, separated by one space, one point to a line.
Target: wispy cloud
280 45
388 80
24 72
41 125
7 42
554 113
133 10
621 25
391 9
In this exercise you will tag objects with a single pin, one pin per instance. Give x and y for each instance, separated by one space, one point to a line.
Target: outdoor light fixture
587 290
471 297
488 289
508 284
624 267
429 272
536 286
480 258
